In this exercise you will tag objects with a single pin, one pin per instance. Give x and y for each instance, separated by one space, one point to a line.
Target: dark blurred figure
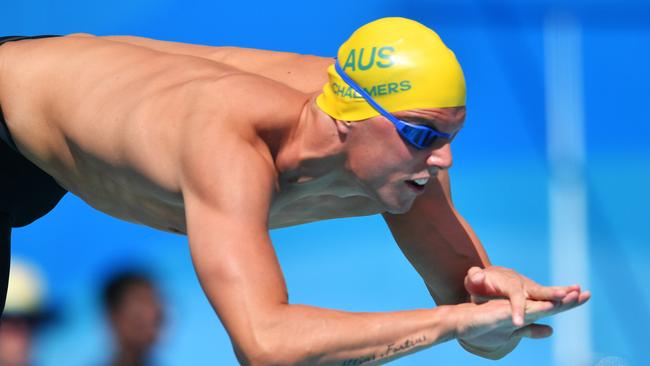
135 314
25 314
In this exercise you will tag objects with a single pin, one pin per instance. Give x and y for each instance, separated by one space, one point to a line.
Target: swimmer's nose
441 157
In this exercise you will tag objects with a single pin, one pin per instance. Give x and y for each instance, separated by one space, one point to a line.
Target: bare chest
126 193
318 207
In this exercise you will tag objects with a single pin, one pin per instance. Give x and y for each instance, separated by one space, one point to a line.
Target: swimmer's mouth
417 185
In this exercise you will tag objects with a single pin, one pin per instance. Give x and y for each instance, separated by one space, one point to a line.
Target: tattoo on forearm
391 349
359 360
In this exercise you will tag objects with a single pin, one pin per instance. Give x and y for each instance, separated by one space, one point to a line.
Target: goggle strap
363 93
403 128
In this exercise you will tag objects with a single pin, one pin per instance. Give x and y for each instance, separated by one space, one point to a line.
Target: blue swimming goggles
417 135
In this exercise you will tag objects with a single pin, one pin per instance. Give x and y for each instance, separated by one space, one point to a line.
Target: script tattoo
359 360
391 349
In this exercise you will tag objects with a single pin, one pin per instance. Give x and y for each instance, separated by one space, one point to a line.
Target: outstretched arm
227 190
227 202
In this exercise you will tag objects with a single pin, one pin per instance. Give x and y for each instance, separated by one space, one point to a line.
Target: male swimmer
223 144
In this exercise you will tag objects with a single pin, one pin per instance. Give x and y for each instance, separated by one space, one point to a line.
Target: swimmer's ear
343 127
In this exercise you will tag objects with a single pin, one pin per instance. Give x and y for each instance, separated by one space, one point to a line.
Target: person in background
25 313
135 313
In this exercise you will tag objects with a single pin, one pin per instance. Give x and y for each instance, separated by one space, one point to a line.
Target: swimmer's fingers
498 282
563 297
536 291
517 297
536 310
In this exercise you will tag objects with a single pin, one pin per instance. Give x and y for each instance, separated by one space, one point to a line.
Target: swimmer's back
107 119
67 85
306 73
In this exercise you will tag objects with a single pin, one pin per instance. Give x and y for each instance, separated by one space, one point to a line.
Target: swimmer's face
138 318
390 168
15 342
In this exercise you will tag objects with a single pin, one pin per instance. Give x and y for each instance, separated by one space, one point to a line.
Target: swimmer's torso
106 120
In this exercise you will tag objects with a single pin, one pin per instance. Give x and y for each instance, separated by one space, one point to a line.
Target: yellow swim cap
402 65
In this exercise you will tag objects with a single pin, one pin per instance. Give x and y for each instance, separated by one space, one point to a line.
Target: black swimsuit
26 191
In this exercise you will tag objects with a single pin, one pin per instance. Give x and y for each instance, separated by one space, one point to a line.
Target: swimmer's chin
399 209
398 212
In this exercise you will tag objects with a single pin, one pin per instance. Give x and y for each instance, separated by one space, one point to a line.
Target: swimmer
223 144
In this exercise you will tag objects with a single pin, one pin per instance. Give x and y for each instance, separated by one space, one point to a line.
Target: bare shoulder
225 177
228 150
250 106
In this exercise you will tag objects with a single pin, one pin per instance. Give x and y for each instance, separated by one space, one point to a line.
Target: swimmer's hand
495 282
487 329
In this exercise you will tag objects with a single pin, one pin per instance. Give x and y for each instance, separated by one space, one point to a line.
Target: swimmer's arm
442 247
227 202
438 242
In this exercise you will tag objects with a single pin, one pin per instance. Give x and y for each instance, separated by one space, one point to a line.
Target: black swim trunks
26 191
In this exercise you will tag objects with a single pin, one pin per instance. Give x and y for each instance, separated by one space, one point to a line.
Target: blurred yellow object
26 289
401 63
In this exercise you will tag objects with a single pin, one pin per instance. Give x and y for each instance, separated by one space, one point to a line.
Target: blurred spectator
135 314
24 313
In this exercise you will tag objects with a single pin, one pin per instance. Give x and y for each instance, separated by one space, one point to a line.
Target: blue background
500 177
